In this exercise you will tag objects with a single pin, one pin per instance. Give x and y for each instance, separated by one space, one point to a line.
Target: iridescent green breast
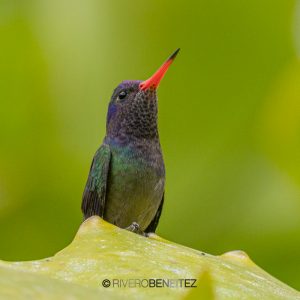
135 184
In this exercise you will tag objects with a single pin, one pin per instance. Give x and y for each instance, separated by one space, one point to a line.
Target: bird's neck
147 150
125 139
134 127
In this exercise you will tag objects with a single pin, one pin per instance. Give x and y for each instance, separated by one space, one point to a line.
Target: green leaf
103 251
204 288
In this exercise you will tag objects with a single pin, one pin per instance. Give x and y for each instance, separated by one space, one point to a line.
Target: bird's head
132 111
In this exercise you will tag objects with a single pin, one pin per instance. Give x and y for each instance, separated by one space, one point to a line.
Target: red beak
155 79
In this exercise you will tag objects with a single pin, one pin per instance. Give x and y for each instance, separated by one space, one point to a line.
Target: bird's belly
135 189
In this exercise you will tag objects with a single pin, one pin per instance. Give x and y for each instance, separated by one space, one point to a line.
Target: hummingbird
126 181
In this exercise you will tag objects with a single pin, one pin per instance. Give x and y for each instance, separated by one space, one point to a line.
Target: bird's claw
134 227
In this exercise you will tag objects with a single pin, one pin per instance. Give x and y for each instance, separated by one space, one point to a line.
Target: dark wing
94 195
152 226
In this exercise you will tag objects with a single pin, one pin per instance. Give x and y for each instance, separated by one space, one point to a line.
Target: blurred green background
229 117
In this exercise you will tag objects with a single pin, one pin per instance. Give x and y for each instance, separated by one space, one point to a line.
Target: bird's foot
134 227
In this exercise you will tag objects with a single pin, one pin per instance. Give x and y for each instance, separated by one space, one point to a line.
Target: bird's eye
122 95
